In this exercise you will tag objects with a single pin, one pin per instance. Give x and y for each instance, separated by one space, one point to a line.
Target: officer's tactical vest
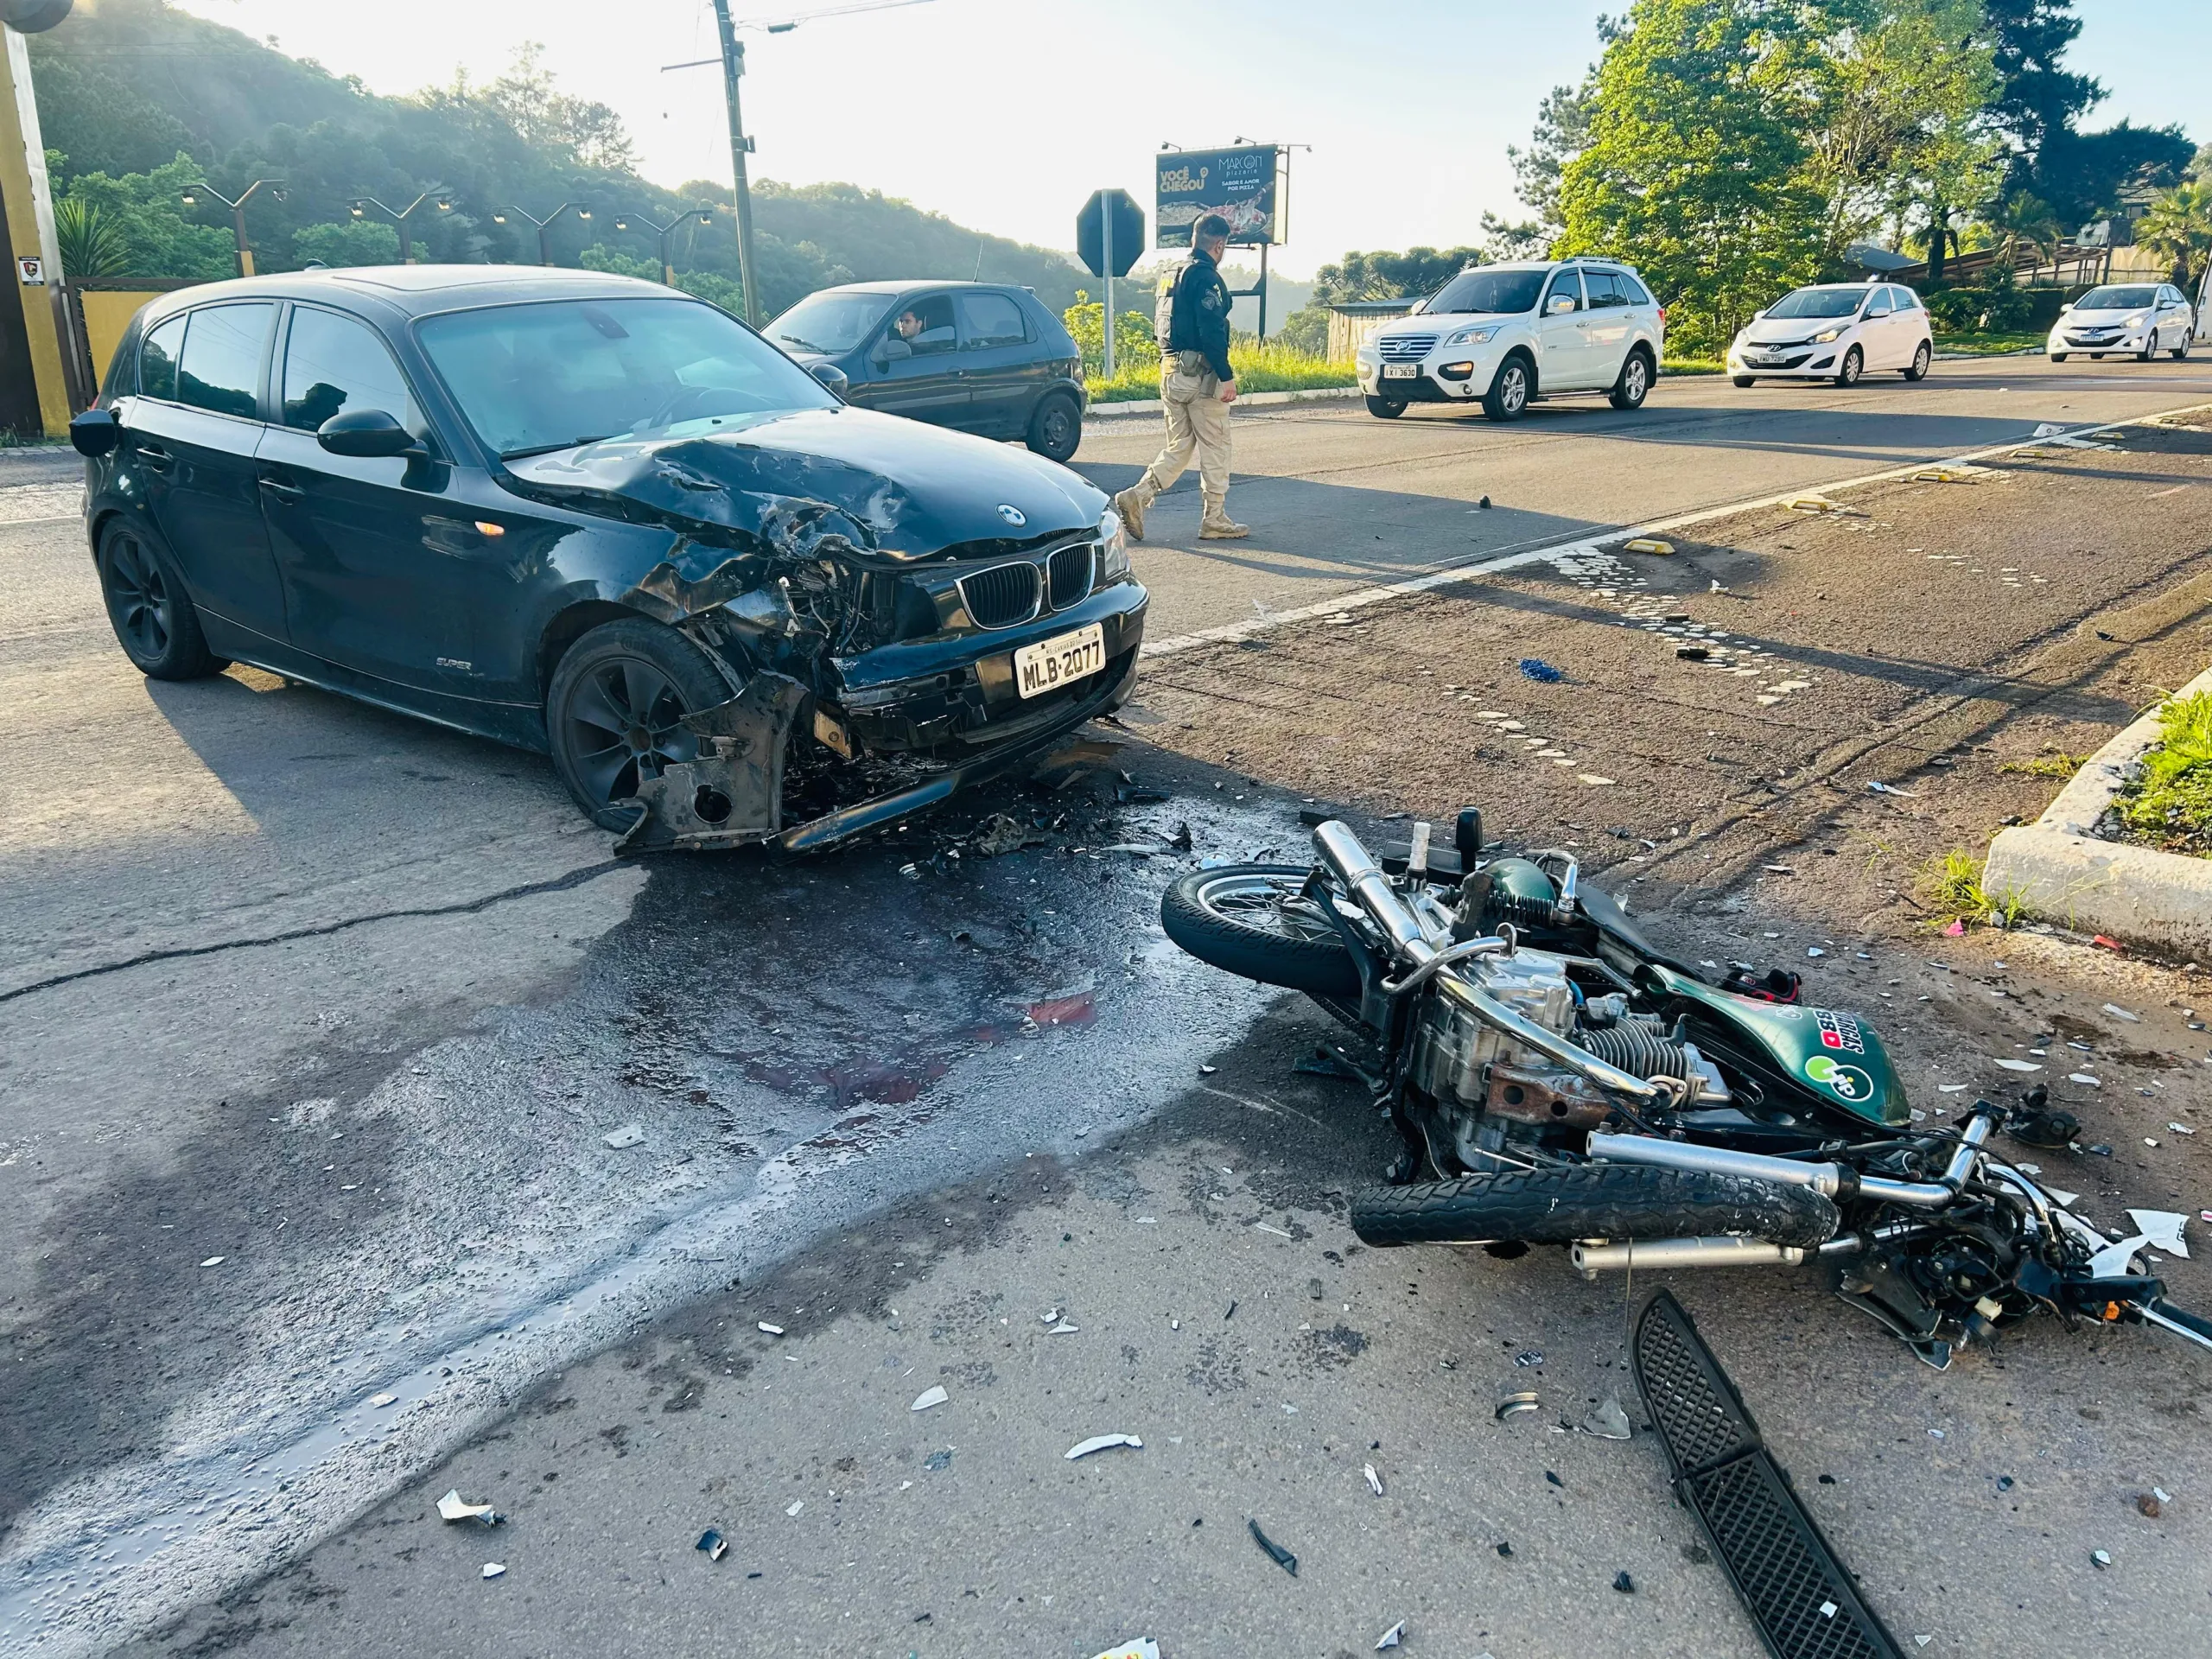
1163 305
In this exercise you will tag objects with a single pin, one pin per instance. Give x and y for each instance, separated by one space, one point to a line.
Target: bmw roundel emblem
1013 515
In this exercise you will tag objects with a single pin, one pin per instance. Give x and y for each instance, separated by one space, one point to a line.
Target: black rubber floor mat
1804 1601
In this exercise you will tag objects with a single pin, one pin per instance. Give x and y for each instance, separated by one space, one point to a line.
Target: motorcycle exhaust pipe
1592 1257
1830 1181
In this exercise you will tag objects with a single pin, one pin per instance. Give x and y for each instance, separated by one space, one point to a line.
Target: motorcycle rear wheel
1248 919
1610 1201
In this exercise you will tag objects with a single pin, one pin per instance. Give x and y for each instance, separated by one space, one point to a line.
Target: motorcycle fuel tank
1833 1056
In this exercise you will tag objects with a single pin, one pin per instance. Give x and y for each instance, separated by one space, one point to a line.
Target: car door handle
286 492
156 458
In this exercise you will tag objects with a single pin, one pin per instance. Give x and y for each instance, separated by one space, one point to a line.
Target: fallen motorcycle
1565 1083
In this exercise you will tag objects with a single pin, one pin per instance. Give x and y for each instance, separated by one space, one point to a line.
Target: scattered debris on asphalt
494 1569
1535 668
1513 1404
1532 1356
713 1543
1693 653
454 1507
1623 1583
770 1329
1142 1647
213 1262
628 1135
936 1462
1374 1480
1391 1637
2119 1012
1101 1443
928 1397
2150 1504
1647 545
2099 1559
1609 1421
379 1402
792 1509
1281 1557
1876 786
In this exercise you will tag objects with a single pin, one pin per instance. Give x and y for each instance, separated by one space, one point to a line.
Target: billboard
1238 184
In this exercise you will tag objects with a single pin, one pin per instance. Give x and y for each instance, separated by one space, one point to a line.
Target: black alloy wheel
152 615
1056 428
1854 364
614 712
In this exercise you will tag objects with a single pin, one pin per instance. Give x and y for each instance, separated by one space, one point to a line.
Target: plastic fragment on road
796 1505
1529 1357
494 1569
2161 1229
1692 653
938 1462
1513 1404
1101 1443
713 1543
2181 1128
928 1397
628 1135
1951 1088
2019 1065
1063 1329
1535 668
214 1261
2119 1012
379 1402
1876 786
1391 1637
1592 779
1262 1227
1374 1480
2090 1078
1647 545
2099 1559
1142 1647
1623 1583
454 1507
1281 1557
1609 1421
767 1329
1946 475
2046 430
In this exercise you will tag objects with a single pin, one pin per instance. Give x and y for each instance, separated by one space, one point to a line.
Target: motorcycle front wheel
1611 1201
1253 921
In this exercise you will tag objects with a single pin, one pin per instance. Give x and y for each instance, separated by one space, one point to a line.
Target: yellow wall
107 314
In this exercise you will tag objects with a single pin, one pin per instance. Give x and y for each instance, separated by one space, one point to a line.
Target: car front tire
614 712
2180 353
1510 389
1854 364
1386 409
2058 357
1056 428
153 616
2150 347
1745 380
1921 360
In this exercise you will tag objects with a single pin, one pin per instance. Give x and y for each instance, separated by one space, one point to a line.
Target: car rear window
1488 291
990 320
220 369
158 360
1603 286
1635 291
536 378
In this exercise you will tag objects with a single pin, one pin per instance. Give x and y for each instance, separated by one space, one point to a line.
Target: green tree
1133 344
1392 276
1306 332
2023 217
145 214
2177 225
90 242
357 241
1696 166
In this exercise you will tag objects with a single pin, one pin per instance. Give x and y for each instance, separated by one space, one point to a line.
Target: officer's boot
1130 504
1217 525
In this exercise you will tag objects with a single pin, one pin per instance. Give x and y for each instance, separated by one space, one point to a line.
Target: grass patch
1951 887
2051 763
1692 366
1990 345
2169 804
1272 367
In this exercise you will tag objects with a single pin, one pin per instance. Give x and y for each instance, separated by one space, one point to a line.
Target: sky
1005 115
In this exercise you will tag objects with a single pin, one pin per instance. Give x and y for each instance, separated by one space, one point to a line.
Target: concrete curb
2064 874
1245 400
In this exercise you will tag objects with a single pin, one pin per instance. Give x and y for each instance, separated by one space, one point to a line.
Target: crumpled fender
733 793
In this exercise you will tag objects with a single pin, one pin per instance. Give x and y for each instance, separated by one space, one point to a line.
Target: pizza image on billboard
1238 184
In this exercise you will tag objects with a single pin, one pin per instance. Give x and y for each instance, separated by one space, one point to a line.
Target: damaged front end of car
885 644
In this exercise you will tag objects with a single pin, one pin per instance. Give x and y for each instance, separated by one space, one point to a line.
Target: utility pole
739 148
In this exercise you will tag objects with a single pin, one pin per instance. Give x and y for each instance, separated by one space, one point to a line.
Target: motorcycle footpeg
1804 1602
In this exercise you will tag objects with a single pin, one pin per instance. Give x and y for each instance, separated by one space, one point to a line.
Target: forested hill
136 99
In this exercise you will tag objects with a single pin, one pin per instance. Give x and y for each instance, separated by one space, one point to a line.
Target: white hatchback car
1507 333
1835 331
2143 317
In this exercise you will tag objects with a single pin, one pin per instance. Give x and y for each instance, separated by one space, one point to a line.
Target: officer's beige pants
1197 420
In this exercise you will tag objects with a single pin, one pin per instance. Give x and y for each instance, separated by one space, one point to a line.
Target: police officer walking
1197 386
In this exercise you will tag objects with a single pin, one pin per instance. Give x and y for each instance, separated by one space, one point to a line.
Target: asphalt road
1338 500
312 1021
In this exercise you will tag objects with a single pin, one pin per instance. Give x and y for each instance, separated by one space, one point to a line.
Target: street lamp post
625 221
399 216
544 244
191 195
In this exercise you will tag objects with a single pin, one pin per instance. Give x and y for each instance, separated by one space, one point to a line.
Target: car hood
825 482
2102 319
1767 329
1441 322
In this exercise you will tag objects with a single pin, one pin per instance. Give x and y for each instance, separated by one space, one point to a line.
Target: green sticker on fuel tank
1845 1083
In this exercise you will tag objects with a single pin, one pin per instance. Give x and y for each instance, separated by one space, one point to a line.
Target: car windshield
1488 291
828 322
533 379
1819 302
2114 298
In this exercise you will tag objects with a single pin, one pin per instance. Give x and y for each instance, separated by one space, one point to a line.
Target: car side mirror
2063 309
1561 305
95 432
366 434
830 376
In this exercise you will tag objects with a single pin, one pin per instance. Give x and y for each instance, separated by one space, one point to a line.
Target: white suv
1507 333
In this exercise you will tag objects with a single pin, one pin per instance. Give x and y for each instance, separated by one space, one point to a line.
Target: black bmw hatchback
580 514
973 356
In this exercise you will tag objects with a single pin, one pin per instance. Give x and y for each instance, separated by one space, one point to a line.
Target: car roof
911 283
419 291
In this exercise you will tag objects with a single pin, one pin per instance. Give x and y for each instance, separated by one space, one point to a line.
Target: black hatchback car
582 514
973 356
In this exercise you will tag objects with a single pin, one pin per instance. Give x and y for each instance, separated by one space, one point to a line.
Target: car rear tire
1921 360
1386 409
614 712
1056 428
1634 383
153 616
1509 389
1746 379
1854 366
1247 920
